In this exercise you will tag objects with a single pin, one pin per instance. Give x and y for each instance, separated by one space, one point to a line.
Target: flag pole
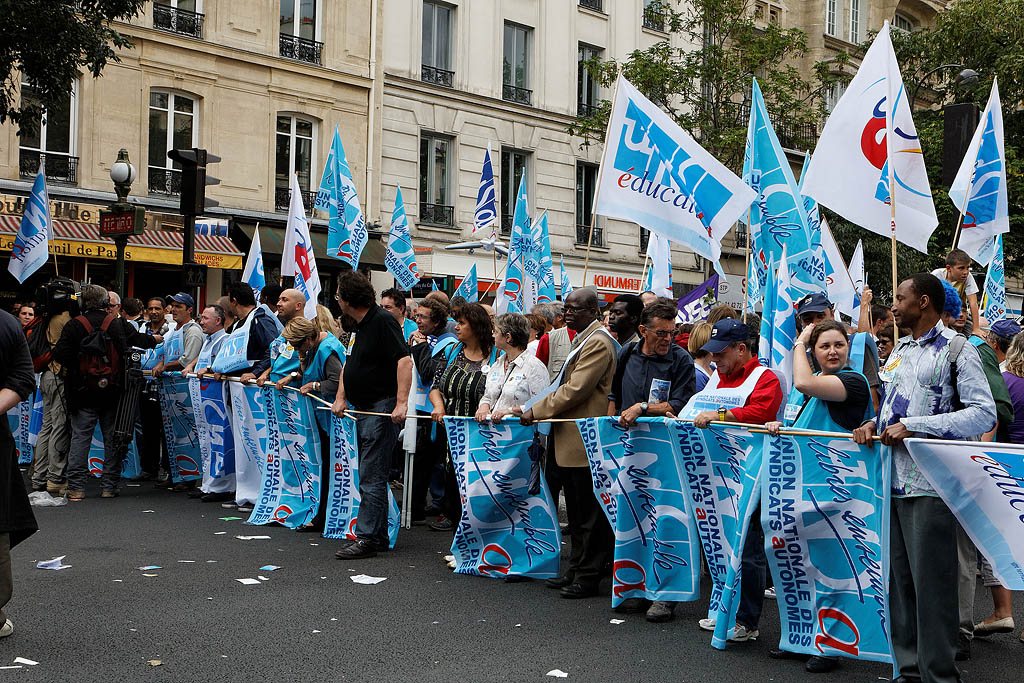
600 168
746 270
643 273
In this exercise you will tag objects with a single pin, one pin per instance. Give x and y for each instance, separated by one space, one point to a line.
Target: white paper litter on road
55 564
269 568
219 533
43 499
315 631
147 511
252 538
262 578
22 660
151 575
210 561
187 561
616 621
118 580
367 580
557 673
149 567
248 582
18 666
334 618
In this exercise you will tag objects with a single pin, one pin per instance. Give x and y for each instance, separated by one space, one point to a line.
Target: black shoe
163 483
632 606
558 581
821 665
310 528
196 493
218 497
516 578
963 653
357 550
576 591
145 476
775 653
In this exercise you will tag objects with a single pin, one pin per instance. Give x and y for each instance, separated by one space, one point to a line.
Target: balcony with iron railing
516 94
583 235
437 76
654 18
437 214
164 181
301 49
596 5
59 168
283 198
176 20
791 135
587 108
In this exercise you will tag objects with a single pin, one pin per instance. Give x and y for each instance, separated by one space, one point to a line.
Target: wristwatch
643 408
721 413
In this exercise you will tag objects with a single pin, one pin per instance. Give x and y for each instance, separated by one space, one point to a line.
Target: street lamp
123 175
123 219
965 77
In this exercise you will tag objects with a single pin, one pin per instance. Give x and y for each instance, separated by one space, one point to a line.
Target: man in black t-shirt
376 378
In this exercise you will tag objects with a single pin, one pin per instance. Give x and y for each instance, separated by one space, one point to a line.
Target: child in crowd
958 273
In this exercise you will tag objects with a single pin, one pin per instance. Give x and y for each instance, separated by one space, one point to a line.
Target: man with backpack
95 351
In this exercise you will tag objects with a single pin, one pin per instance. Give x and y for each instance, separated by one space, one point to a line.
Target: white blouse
516 384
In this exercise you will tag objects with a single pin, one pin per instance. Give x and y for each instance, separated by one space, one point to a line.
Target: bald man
284 359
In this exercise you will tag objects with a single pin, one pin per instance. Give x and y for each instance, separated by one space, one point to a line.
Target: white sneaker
7 629
707 624
740 634
769 593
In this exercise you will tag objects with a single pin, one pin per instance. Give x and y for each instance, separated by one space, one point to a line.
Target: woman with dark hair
459 385
837 399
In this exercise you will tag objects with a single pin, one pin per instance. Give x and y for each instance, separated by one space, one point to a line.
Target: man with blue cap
1000 334
182 345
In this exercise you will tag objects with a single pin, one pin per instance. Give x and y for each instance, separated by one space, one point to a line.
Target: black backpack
99 363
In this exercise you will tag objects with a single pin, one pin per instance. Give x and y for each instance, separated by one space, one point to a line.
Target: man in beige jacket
581 390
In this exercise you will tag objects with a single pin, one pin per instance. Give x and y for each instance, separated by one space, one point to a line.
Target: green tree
704 83
48 43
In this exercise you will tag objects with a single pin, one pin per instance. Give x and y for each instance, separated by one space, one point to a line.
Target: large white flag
656 175
858 276
31 245
297 258
841 290
849 171
253 273
979 190
659 275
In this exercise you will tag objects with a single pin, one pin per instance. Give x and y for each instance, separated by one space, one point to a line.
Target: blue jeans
377 437
753 574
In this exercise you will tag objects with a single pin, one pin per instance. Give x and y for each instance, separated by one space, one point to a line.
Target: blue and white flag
983 484
838 285
778 327
659 274
504 530
656 175
657 551
469 289
343 497
290 482
539 266
566 284
183 451
510 294
400 258
993 302
979 190
825 513
346 226
213 425
297 258
130 466
486 208
31 245
19 417
251 435
253 273
433 285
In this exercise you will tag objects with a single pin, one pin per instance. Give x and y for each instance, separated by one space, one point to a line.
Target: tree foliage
704 81
49 43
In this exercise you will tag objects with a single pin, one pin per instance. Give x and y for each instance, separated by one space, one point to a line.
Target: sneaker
38 487
442 524
661 611
110 493
56 490
990 626
75 494
707 624
7 629
769 593
740 634
245 507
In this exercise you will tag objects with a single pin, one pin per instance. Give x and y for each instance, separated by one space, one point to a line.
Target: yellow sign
60 211
131 253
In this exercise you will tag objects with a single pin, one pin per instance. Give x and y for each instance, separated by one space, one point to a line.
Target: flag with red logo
297 254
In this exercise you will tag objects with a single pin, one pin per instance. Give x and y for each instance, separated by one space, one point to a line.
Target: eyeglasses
660 334
574 309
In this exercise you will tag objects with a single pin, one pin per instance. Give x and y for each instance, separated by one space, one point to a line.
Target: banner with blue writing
343 488
504 530
983 484
183 450
19 417
216 442
130 467
250 433
657 554
825 513
290 485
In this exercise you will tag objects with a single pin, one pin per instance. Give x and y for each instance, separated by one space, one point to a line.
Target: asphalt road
103 619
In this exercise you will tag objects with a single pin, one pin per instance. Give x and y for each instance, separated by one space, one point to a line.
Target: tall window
299 31
437 44
855 21
654 15
179 16
50 139
902 22
294 153
435 191
835 92
586 87
832 18
514 166
586 186
173 124
515 65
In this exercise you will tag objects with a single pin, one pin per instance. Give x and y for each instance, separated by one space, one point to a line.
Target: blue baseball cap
725 332
183 298
816 302
1005 328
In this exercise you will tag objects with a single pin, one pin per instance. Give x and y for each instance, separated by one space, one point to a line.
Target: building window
834 94
515 68
855 21
49 139
173 124
596 5
654 16
437 44
586 186
179 16
296 142
902 22
586 86
435 191
514 166
299 31
831 17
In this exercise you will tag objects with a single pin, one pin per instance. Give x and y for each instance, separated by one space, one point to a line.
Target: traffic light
194 179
